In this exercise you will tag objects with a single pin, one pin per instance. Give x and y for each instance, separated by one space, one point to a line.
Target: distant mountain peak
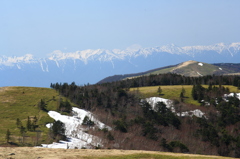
132 51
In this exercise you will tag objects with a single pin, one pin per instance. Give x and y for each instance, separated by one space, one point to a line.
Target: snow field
74 130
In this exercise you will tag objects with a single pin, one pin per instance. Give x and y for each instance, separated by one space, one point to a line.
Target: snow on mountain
75 131
91 66
108 55
10 61
232 48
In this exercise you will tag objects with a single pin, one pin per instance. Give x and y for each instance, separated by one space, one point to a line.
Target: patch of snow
18 66
154 100
220 68
42 66
199 74
77 138
169 104
232 95
200 64
196 112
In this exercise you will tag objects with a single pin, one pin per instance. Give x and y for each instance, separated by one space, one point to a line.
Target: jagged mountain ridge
90 66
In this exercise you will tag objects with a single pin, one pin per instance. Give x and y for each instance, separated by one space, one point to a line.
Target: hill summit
189 68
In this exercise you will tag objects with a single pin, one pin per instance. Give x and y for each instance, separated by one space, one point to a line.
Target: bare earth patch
3 89
40 153
184 64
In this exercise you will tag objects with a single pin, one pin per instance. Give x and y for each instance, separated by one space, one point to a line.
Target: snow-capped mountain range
90 66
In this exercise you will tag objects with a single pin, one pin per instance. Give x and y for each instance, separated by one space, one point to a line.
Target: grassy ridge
21 102
173 92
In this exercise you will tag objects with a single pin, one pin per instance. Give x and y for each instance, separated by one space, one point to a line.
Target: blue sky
39 27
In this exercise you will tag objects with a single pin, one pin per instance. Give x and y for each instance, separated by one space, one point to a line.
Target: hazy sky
39 27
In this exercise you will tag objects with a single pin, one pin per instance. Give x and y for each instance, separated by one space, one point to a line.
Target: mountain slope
90 66
188 68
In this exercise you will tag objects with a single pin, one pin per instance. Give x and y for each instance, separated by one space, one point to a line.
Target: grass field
173 92
34 153
21 102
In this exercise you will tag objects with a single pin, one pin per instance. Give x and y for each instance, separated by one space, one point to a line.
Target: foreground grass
173 92
160 156
30 153
21 102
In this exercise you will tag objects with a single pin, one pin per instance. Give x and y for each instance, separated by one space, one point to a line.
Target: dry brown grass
39 153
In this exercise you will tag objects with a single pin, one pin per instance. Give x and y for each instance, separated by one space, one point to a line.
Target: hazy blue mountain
90 66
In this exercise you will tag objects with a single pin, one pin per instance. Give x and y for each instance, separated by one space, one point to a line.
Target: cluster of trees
65 106
87 121
114 101
209 95
31 124
57 131
173 145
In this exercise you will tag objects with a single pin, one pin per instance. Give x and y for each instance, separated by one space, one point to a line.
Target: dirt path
43 153
184 64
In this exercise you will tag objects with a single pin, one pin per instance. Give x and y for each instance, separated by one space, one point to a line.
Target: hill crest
189 68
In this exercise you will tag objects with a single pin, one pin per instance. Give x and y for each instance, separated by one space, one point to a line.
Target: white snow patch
199 74
77 138
18 66
154 100
220 68
232 95
42 66
196 112
200 64
169 104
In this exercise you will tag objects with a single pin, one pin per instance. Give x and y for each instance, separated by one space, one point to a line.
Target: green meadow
173 92
22 102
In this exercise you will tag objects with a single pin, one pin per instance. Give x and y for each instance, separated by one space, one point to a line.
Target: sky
40 27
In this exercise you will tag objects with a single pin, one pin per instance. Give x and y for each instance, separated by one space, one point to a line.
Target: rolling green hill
192 69
188 68
21 103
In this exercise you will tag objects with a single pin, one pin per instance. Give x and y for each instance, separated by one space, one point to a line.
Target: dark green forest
137 126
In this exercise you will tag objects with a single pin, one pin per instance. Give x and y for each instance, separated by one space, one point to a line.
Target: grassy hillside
173 92
21 102
188 68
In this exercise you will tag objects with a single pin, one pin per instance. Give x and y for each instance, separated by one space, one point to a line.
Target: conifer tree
159 91
42 105
181 97
28 125
8 134
18 123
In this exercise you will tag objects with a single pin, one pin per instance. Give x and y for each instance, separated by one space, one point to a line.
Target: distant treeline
175 79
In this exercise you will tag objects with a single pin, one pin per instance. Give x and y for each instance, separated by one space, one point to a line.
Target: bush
183 148
120 125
